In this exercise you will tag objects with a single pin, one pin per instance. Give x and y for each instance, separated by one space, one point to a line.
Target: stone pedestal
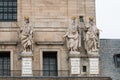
94 66
74 63
94 53
75 66
94 63
74 52
26 63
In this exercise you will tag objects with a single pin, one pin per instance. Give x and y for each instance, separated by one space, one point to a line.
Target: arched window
117 60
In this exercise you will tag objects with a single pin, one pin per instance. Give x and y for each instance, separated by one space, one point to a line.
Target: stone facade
51 19
55 78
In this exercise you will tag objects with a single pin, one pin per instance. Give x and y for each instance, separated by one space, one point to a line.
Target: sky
108 18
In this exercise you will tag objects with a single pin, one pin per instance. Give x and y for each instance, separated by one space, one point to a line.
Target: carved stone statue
72 36
92 36
26 35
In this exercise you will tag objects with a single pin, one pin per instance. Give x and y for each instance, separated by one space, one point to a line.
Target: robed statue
72 36
26 35
92 36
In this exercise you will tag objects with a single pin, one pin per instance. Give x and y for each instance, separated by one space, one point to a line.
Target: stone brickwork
55 78
51 19
108 48
48 17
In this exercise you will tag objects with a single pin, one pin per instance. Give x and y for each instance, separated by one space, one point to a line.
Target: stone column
26 63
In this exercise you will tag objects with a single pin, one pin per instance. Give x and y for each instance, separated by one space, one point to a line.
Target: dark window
81 19
50 63
8 10
4 63
117 60
84 68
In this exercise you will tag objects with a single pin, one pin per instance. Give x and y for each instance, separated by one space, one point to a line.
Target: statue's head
26 19
73 20
73 17
91 18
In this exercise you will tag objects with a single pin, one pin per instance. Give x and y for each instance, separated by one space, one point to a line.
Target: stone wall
48 16
55 78
51 19
108 48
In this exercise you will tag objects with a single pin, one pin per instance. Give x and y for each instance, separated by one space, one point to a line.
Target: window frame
81 18
6 11
84 68
51 58
116 61
5 63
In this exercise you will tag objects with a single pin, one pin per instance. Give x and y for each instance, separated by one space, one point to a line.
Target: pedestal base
74 52
26 63
94 53
75 66
94 66
26 54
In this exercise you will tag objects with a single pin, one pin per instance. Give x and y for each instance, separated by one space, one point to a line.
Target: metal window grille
8 10
81 19
117 60
4 64
84 68
50 64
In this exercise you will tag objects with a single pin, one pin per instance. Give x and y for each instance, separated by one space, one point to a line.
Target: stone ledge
26 54
49 42
94 54
8 42
83 56
55 78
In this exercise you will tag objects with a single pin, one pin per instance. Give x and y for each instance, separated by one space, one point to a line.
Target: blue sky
108 18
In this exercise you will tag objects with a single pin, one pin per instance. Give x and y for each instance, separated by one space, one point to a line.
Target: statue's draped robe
72 38
92 37
26 36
